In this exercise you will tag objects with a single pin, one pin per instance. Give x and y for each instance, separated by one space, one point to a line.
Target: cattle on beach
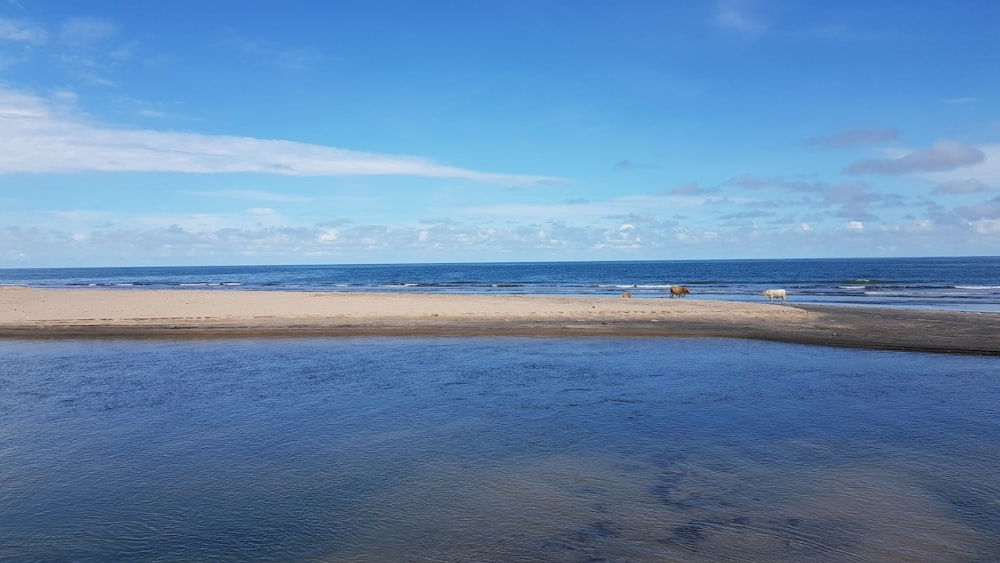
773 294
678 291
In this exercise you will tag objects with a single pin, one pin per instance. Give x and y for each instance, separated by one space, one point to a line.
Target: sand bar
110 313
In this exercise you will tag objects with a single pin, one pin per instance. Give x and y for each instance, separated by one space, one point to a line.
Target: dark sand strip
854 327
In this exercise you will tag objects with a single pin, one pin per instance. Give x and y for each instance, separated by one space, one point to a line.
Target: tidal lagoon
495 449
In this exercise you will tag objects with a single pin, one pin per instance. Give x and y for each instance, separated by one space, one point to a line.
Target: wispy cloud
254 195
846 199
750 181
17 31
851 200
735 15
941 156
287 58
690 189
961 187
86 32
960 100
529 212
83 215
37 138
989 209
986 170
855 137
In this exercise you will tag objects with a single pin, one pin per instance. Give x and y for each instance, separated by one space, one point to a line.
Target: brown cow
678 291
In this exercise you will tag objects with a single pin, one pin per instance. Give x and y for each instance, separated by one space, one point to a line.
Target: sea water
495 449
958 283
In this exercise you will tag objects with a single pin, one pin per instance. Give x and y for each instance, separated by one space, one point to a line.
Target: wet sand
107 313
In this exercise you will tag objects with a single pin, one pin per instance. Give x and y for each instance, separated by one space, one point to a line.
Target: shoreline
32 313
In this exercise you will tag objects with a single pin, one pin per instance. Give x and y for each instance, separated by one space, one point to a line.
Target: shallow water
955 283
499 449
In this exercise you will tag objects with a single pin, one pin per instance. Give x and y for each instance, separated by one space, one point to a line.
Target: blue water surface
963 283
494 449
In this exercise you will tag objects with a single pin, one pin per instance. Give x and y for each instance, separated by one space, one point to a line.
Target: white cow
773 294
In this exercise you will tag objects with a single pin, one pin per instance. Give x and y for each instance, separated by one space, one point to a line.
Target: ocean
966 283
502 448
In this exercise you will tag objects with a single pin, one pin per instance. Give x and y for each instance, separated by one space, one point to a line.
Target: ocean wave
933 282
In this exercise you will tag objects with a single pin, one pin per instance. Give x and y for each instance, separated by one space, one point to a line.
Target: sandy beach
78 313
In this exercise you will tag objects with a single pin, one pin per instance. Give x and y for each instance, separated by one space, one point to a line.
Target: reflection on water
495 449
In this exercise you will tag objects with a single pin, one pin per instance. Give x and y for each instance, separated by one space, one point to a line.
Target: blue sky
255 132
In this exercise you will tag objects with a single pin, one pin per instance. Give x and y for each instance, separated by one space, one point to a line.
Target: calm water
495 449
971 284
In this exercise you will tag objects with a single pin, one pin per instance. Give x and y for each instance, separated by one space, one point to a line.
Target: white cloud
328 235
206 239
37 138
